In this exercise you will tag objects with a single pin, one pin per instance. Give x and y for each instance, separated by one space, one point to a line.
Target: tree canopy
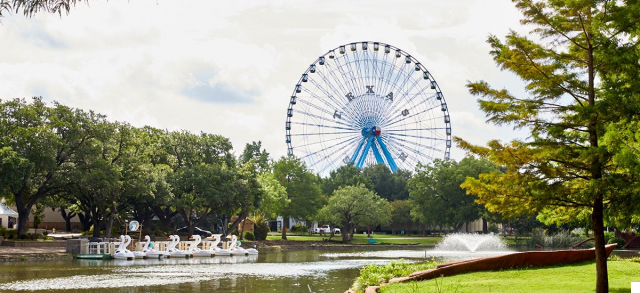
570 75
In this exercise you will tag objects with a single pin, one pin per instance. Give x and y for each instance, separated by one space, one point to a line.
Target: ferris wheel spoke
331 147
420 122
326 126
309 114
343 107
416 136
406 102
404 117
314 143
398 140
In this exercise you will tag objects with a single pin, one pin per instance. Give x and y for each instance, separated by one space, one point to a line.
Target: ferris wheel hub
371 131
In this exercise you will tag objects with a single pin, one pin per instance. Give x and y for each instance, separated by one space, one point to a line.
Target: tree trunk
107 229
23 215
67 218
96 226
85 221
602 280
285 225
485 229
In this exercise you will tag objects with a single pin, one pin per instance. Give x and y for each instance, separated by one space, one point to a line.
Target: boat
122 252
173 251
150 252
235 248
136 254
197 251
219 251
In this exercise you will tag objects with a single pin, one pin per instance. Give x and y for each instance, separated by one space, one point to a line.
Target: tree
345 175
391 186
563 167
31 7
354 207
260 157
37 145
437 196
303 190
203 175
401 215
275 198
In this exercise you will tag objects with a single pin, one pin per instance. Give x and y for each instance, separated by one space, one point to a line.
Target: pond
328 269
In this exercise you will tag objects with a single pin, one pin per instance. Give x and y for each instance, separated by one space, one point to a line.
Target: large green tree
437 196
303 190
563 167
37 145
345 175
389 185
354 207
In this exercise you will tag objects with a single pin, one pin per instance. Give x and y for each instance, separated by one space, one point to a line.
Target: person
10 223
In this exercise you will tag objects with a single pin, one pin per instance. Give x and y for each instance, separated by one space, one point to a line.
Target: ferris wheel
367 103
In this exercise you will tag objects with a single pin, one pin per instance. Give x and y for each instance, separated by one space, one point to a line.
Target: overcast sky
229 67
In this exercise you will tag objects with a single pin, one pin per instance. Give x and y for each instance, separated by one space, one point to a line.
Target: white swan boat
122 252
136 254
150 252
173 251
197 251
219 251
235 249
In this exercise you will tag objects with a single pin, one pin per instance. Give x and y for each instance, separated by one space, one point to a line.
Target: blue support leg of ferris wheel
357 151
376 153
385 151
363 156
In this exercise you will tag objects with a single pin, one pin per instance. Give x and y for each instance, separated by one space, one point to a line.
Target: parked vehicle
322 230
336 230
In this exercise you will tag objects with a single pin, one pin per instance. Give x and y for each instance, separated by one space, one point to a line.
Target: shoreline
19 254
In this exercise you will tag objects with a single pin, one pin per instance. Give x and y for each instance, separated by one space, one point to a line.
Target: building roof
5 210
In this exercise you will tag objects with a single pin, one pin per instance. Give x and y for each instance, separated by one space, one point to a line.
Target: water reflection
287 271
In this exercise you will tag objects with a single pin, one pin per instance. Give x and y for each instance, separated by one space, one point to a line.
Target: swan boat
173 251
197 251
150 252
122 252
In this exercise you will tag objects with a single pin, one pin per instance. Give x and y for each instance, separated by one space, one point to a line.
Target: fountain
471 243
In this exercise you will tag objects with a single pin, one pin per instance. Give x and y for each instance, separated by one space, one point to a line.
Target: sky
229 67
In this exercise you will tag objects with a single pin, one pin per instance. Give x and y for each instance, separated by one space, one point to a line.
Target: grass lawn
571 278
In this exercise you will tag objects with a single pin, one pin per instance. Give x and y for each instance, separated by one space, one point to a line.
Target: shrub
11 234
261 229
248 235
562 239
299 228
620 242
493 228
375 274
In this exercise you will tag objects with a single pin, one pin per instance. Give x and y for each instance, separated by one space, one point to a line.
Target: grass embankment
362 239
568 278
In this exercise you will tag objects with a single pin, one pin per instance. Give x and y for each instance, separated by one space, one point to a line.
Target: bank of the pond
30 256
567 278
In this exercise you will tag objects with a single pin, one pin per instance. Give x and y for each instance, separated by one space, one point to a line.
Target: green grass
570 278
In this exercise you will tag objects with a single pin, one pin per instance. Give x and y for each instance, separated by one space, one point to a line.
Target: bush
248 235
299 228
261 229
620 242
375 274
562 239
493 228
